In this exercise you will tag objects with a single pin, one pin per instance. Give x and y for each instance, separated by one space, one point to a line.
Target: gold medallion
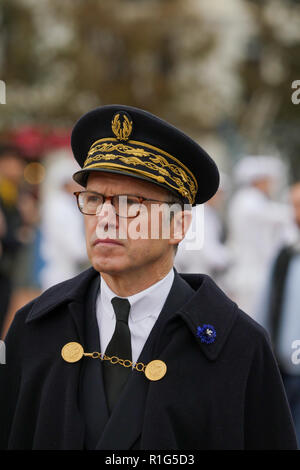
72 352
155 370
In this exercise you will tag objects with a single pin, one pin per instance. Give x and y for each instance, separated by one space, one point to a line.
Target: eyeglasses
125 205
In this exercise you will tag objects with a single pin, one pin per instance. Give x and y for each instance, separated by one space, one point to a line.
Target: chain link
139 366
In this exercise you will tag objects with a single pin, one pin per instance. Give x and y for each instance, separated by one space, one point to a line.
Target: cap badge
206 333
122 125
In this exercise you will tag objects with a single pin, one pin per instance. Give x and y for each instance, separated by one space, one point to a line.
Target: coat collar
71 290
207 305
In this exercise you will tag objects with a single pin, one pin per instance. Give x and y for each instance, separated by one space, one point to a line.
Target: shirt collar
148 302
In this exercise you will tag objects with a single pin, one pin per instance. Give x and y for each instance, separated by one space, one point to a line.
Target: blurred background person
2 229
62 232
279 305
203 250
257 226
11 178
25 270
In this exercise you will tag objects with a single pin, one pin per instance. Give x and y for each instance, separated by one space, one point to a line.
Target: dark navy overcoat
226 394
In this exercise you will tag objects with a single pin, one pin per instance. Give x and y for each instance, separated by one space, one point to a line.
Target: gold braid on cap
111 154
138 157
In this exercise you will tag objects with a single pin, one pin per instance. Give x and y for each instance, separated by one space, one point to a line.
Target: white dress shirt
145 307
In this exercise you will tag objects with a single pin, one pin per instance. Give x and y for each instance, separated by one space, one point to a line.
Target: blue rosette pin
206 333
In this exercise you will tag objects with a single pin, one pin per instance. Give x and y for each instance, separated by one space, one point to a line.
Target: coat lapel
92 395
210 306
125 423
77 312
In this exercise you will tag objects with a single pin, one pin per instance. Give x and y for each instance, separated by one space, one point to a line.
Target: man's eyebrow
92 190
121 193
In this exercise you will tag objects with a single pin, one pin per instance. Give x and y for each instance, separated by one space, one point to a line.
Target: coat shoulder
251 325
211 306
243 321
251 332
71 289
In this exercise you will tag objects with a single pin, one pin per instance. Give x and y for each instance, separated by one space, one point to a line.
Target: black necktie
116 375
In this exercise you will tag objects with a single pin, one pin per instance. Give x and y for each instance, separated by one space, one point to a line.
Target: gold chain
139 366
154 370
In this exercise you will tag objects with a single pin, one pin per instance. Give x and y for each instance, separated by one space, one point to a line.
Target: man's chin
107 266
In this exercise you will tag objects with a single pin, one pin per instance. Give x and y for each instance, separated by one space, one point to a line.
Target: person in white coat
203 249
257 227
63 240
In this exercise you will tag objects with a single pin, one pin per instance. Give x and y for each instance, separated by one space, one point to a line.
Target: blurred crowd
18 229
41 231
247 240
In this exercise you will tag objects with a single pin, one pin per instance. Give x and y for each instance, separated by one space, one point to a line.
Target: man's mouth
107 241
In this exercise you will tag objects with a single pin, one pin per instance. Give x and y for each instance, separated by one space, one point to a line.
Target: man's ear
179 226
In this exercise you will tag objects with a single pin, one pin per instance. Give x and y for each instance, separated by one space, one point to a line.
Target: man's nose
106 210
107 224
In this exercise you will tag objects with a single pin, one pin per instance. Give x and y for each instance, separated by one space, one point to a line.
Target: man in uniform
130 354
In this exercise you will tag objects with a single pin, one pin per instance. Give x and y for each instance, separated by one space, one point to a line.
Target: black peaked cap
126 140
